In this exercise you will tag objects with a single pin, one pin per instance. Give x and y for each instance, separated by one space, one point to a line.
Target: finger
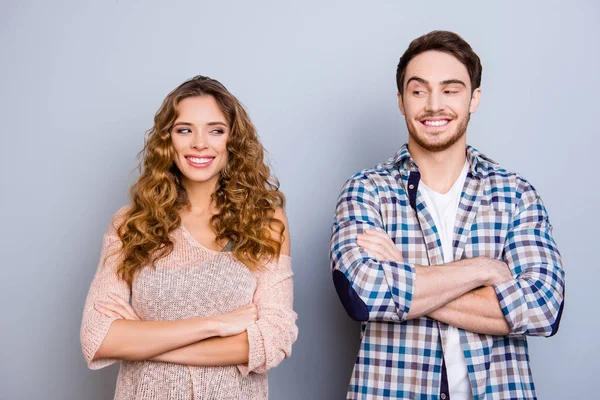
371 243
383 236
367 242
398 255
377 241
372 249
380 242
115 308
125 304
131 314
391 250
378 256
107 313
377 232
102 310
114 315
370 238
382 252
373 246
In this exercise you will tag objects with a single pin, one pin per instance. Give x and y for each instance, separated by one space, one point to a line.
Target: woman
203 252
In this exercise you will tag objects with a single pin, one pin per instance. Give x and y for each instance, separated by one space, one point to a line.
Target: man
446 258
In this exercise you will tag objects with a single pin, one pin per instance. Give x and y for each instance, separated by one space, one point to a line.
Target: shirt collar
479 163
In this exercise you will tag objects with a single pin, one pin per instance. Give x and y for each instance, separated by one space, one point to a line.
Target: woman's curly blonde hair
246 194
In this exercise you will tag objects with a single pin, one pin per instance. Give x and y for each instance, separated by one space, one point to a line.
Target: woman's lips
199 162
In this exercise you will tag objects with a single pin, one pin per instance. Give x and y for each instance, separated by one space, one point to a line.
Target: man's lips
435 121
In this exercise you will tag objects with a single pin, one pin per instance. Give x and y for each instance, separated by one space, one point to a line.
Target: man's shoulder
381 174
507 184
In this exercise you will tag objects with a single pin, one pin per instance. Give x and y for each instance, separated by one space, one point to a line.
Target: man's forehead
435 67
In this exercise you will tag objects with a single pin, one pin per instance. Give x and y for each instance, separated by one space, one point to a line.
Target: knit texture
192 282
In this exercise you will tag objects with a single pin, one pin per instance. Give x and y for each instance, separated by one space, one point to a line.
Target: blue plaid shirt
500 215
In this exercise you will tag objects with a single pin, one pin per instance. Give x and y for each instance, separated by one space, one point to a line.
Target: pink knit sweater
194 281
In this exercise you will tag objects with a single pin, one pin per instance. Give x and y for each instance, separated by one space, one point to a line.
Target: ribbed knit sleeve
94 325
273 334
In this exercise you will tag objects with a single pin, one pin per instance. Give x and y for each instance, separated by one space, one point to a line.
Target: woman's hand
236 321
380 245
118 308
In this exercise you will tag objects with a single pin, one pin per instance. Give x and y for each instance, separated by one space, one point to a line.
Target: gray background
80 82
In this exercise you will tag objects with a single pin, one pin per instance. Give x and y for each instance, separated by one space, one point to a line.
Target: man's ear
475 98
401 103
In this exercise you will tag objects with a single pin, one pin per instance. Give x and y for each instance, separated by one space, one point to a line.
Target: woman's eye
184 130
218 131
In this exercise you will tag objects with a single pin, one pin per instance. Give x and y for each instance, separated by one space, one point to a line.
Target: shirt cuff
256 355
513 305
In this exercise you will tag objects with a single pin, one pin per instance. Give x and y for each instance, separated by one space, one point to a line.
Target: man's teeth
199 160
436 123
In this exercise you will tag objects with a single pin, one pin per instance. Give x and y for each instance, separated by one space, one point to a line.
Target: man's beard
437 147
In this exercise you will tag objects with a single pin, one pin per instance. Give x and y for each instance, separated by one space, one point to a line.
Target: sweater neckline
192 240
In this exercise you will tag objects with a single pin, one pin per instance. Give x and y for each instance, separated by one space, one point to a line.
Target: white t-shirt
443 208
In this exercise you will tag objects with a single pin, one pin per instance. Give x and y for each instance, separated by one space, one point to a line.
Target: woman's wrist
209 327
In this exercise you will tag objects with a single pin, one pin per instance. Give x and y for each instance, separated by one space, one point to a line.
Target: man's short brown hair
447 42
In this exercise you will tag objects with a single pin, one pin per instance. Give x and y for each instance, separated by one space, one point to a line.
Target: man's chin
437 147
436 144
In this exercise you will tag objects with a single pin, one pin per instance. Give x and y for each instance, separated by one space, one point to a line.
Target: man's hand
379 245
499 272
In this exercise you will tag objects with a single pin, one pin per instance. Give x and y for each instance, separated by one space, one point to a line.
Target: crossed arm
458 294
520 295
220 340
254 338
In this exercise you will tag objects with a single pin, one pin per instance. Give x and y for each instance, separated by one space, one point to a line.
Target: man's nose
434 102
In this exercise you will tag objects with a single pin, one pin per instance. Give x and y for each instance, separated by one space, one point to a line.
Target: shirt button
411 186
443 396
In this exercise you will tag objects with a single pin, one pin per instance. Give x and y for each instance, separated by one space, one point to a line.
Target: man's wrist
479 269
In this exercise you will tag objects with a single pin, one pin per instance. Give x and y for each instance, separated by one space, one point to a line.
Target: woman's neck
200 196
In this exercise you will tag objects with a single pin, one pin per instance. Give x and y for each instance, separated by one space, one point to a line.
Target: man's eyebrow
446 82
416 78
453 82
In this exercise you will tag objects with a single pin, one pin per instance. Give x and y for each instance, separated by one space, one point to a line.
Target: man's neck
439 170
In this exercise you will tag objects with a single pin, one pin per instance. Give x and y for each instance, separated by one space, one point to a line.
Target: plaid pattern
500 215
